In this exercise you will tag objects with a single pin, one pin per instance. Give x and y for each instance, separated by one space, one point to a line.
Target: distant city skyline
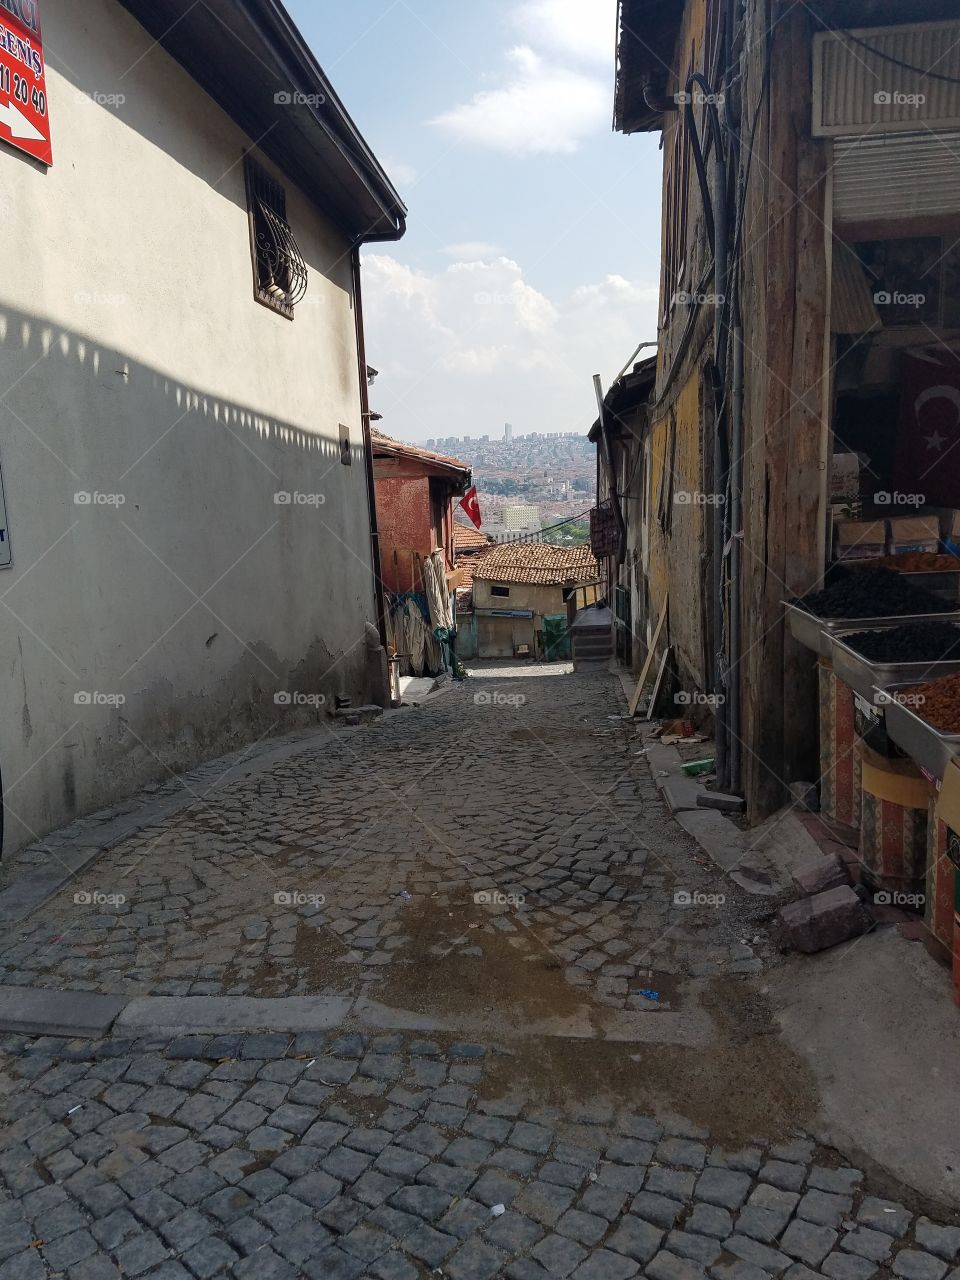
532 255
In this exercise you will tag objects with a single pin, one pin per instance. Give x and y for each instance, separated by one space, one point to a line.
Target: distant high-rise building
507 433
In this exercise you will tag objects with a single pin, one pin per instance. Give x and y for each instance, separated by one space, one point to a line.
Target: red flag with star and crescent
471 505
928 438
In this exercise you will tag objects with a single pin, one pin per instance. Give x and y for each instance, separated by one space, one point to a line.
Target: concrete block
35 1011
820 876
826 919
718 800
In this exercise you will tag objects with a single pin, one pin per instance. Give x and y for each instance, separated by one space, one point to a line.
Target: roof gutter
278 29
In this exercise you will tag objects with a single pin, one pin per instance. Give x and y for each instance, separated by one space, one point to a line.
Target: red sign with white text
24 118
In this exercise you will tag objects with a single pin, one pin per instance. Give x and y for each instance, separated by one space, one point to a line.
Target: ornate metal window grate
279 271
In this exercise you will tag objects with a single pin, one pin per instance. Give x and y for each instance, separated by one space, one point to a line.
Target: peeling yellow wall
677 553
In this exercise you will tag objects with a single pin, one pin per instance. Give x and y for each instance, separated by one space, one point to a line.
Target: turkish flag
471 505
928 437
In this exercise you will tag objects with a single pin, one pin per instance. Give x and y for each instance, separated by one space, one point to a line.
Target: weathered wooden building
811 178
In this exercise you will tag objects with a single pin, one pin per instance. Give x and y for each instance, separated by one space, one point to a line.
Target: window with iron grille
279 271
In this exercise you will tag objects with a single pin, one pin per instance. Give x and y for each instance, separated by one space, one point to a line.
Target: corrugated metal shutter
896 176
858 90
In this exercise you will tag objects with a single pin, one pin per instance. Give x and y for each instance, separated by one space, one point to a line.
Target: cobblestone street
556 1056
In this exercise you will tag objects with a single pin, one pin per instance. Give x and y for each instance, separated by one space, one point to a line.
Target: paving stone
843 1181
494 1188
723 1187
630 1151
943 1241
267 1265
424 1202
710 1220
884 1215
98 1267
800 1272
674 1183
824 1207
394 1266
542 1201
667 1266
142 1252
915 1264
783 1174
345 1164
604 1265
682 1153
702 1249
69 1249
513 1232
559 1255
430 1246
760 1255
738 1270
23 1266
662 1211
209 1257
456 1182
184 1230
475 1261
606 1201
586 1228
848 1266
866 1242
564 1175
746 1160
807 1241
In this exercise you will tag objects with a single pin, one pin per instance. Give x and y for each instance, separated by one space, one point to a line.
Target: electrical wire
897 62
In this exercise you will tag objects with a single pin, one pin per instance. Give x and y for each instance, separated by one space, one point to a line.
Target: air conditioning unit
880 80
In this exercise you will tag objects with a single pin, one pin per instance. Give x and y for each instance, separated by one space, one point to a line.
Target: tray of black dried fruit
864 597
877 657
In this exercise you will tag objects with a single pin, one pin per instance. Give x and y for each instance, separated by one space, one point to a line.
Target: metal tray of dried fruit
926 746
944 583
863 674
817 633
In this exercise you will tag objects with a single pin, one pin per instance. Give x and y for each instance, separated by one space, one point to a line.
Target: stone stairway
591 636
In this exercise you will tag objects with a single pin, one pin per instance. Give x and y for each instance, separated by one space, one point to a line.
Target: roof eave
244 53
648 31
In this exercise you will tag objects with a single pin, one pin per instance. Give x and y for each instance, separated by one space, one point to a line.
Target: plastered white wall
135 363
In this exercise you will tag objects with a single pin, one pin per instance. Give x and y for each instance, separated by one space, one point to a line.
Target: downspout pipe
715 212
379 594
371 237
611 473
736 551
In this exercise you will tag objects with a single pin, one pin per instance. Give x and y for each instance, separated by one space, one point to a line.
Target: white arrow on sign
18 124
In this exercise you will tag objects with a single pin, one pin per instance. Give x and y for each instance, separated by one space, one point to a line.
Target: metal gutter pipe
379 594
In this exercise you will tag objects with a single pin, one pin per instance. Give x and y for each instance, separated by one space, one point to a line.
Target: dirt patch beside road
747 1082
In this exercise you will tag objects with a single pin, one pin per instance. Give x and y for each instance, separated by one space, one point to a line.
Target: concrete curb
187 1015
35 1011
80 1014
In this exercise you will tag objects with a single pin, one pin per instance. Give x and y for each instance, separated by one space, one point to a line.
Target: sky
531 260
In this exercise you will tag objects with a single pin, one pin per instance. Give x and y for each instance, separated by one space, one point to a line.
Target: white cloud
583 29
465 349
472 250
542 108
403 174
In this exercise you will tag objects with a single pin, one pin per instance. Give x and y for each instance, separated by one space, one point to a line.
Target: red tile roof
467 538
537 562
385 447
